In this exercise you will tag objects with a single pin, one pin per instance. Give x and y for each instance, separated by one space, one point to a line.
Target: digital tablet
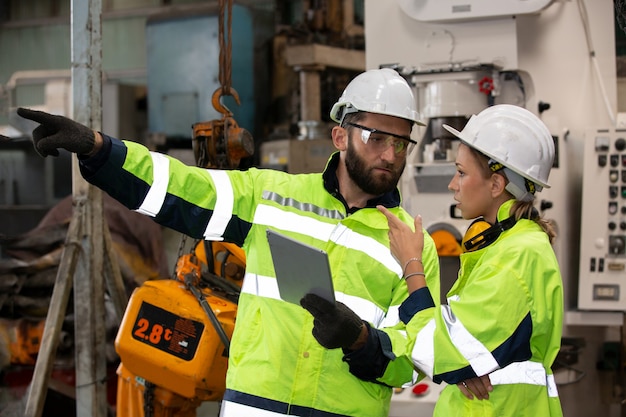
300 269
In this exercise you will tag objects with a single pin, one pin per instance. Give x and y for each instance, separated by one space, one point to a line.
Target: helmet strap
346 110
521 188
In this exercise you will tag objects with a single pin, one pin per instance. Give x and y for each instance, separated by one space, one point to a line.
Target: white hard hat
514 137
381 91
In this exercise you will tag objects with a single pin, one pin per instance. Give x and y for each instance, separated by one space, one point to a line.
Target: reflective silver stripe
528 372
155 198
392 318
260 285
347 237
223 210
342 236
285 220
290 202
525 373
337 233
365 309
552 389
230 409
479 357
264 286
423 354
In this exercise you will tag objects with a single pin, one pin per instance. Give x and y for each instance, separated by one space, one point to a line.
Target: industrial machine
603 233
174 338
450 96
464 57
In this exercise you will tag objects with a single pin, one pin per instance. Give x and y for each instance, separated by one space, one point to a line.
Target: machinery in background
28 277
221 143
436 11
180 80
174 338
30 185
450 95
603 233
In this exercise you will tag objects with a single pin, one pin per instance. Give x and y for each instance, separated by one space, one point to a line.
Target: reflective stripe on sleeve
155 198
223 210
392 318
479 357
423 354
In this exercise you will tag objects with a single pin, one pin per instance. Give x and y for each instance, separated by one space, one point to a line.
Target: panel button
614 160
592 265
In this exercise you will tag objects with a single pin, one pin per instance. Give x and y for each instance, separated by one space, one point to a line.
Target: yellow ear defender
481 233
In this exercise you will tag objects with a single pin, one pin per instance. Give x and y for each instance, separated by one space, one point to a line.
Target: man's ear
340 138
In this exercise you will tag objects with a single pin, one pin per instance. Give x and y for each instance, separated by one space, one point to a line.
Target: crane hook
217 104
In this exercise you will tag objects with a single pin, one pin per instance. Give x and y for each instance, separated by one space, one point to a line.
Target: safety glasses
380 141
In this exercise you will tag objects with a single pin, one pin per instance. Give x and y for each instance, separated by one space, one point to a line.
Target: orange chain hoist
174 339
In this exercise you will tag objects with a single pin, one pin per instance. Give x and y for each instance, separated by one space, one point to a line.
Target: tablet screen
300 268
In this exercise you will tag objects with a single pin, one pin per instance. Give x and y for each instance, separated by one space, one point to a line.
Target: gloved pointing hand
334 325
56 132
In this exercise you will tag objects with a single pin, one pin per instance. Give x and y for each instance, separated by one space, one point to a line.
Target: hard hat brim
487 153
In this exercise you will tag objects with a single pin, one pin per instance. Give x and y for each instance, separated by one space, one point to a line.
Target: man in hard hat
276 366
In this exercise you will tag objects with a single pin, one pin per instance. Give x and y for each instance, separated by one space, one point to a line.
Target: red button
420 389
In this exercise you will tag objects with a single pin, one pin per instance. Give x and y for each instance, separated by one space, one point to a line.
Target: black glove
56 132
334 325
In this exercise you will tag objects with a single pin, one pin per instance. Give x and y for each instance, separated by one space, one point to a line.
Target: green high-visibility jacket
503 318
275 364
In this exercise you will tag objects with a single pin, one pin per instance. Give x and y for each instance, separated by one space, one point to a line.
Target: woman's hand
478 387
404 242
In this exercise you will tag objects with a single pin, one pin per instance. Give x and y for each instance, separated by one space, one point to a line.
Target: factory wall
551 46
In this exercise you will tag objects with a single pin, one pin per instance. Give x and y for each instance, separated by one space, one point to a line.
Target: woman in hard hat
501 329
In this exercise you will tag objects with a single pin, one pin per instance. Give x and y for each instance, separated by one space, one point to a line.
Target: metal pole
89 330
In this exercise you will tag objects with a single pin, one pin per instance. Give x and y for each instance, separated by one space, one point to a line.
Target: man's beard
362 176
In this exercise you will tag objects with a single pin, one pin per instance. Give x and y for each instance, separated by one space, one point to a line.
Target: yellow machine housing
166 338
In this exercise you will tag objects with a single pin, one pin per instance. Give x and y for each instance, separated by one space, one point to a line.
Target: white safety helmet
514 137
381 91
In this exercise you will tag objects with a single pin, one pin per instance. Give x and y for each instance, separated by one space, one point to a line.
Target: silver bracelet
408 262
414 273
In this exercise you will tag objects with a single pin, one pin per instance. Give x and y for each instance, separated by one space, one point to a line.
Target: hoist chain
148 399
225 47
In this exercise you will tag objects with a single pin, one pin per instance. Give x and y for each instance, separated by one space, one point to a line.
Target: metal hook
217 104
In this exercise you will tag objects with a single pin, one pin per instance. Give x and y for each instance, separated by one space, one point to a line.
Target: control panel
602 273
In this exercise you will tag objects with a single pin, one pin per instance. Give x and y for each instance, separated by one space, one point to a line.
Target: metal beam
89 329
